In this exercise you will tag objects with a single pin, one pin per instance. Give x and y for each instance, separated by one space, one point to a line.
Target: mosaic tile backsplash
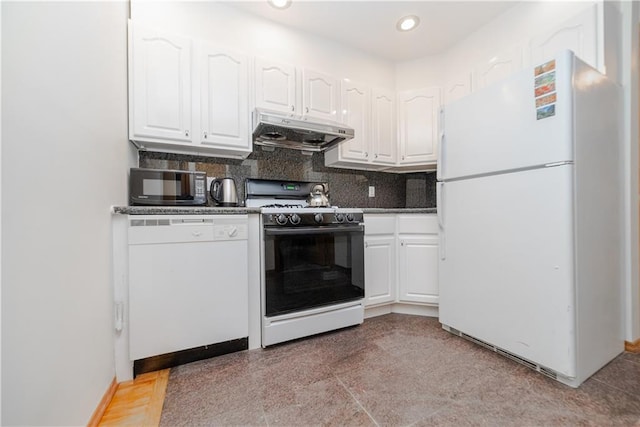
347 188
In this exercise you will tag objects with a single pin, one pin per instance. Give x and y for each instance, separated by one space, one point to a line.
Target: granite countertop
400 210
182 210
241 210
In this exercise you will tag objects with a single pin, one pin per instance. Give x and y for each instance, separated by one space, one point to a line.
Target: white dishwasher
188 288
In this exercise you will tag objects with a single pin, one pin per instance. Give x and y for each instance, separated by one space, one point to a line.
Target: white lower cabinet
380 259
418 268
401 259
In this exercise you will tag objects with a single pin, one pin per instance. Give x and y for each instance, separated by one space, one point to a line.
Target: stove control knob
350 217
318 218
339 217
281 219
294 219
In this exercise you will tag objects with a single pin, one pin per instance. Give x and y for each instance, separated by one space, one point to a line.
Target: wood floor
138 402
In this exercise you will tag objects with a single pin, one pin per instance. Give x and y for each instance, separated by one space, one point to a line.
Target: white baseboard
414 309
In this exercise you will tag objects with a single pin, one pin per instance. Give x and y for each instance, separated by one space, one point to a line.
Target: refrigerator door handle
441 219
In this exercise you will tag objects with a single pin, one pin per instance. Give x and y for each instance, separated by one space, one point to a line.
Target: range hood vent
276 129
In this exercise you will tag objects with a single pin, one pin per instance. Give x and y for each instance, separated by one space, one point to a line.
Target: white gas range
312 261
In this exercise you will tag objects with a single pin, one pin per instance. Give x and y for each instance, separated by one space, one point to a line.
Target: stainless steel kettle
318 196
223 192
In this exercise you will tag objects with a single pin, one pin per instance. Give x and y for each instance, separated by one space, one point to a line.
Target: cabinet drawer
417 224
379 224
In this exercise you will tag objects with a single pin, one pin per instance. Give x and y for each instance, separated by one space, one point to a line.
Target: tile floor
394 370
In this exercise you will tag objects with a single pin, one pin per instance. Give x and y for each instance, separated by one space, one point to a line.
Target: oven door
308 267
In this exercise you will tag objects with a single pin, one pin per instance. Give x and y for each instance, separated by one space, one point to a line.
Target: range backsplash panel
347 187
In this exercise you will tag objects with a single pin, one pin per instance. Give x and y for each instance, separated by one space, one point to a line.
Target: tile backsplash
347 187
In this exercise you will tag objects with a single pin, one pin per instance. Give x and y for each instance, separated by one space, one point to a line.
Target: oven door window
312 267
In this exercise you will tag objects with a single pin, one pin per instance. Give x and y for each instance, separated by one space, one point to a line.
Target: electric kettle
223 192
318 196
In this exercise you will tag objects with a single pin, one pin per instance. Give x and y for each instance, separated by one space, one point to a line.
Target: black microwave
159 187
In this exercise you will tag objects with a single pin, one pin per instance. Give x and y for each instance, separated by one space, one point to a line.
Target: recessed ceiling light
407 23
280 4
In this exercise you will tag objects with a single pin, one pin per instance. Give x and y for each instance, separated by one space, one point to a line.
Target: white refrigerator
529 210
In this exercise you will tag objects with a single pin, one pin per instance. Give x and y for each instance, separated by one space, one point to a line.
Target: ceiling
370 26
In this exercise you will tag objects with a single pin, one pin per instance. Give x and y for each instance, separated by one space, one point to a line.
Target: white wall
65 157
239 30
510 29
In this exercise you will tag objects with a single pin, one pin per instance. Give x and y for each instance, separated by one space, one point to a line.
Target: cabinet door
579 34
384 126
497 68
419 111
380 269
275 86
160 86
457 88
320 95
355 103
418 268
224 102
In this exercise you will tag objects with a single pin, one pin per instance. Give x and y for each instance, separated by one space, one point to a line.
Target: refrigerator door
506 263
499 128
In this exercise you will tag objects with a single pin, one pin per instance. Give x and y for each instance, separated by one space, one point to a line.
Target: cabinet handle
376 156
293 108
401 243
366 154
306 110
186 133
366 244
205 135
402 157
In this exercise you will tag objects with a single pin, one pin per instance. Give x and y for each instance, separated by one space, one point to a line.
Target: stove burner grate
278 205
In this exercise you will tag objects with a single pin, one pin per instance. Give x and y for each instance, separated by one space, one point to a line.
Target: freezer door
506 263
498 128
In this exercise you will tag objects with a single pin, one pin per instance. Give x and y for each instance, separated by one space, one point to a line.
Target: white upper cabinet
579 34
355 100
320 95
457 88
187 96
384 129
372 115
160 85
497 68
418 119
275 86
278 87
224 98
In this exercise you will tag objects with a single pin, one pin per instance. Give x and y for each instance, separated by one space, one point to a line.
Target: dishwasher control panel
152 229
229 231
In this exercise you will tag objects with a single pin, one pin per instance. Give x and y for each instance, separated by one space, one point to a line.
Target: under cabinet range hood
276 129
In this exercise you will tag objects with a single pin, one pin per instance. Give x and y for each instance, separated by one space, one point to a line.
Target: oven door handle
312 230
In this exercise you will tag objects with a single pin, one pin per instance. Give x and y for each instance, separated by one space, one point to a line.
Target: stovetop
284 203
